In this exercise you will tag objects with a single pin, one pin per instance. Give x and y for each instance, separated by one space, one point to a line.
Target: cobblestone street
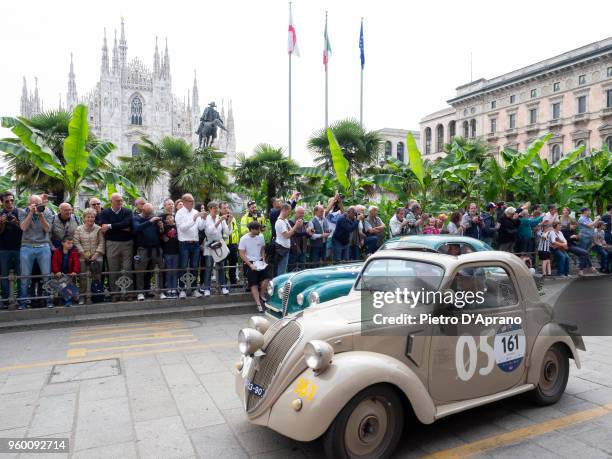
165 389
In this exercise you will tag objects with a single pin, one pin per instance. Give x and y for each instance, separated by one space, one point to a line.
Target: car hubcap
550 372
366 427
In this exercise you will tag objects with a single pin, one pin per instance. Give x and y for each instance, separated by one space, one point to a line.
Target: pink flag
293 47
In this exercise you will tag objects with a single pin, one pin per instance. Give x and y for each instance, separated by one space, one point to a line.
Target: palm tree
206 179
268 168
360 147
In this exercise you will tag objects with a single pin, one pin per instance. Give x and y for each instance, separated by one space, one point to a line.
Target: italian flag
326 47
293 47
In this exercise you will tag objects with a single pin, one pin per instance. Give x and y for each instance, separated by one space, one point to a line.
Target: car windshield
388 274
404 245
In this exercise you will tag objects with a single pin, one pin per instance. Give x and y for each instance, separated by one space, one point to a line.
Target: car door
469 357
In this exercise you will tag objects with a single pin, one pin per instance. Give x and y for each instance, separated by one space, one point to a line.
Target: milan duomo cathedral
131 101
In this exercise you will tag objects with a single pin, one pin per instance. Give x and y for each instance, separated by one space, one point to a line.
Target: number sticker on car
255 389
509 347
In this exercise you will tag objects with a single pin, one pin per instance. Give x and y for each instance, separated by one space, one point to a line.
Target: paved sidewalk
165 389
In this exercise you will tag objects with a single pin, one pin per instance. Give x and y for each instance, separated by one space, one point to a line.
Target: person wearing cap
251 215
488 222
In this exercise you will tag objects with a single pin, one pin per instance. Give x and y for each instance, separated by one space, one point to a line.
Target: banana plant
595 179
79 165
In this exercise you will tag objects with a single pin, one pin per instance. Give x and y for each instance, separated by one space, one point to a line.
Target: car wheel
369 426
553 376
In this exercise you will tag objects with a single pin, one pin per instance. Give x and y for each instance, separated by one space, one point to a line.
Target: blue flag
361 53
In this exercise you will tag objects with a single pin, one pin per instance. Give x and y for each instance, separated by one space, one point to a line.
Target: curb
101 313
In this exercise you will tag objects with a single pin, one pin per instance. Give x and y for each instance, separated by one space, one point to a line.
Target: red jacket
74 266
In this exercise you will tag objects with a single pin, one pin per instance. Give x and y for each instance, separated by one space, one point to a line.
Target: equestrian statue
209 122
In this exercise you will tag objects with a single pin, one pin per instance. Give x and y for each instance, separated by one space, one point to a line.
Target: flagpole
290 92
361 86
326 86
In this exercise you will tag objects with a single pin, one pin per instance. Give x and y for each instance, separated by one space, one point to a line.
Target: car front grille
276 349
286 292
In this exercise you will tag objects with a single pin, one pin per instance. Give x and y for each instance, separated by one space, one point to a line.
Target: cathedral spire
25 100
71 95
122 47
36 100
195 102
104 69
156 66
166 63
115 56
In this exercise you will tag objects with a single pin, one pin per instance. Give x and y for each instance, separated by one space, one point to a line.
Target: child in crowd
170 247
431 227
65 260
544 249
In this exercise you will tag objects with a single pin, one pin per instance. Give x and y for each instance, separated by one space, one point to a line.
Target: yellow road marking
519 435
202 346
109 331
132 324
147 336
84 351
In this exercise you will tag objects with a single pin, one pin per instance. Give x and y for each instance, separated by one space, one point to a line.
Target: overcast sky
417 53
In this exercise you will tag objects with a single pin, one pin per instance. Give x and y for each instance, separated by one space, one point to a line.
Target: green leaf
339 162
415 159
317 172
75 154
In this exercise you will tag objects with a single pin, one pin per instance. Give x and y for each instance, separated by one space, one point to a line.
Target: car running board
456 407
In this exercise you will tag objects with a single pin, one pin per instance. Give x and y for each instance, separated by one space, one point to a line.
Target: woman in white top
216 230
558 245
454 226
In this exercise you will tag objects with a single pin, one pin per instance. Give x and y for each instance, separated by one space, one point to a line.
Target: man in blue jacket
346 224
147 230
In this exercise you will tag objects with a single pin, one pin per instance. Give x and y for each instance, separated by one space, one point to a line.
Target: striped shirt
544 244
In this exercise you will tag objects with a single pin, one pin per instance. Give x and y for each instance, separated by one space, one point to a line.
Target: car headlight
318 355
261 324
249 341
300 299
280 291
270 288
313 298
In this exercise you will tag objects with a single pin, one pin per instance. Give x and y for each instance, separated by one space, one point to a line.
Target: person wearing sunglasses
10 243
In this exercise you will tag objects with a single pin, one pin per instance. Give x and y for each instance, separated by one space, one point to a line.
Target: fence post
88 287
158 280
12 297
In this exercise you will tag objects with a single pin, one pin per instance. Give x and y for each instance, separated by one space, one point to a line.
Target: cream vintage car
327 372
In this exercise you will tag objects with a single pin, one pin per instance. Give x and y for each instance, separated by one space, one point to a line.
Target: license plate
255 389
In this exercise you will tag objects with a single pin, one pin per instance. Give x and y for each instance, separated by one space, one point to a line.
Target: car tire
369 426
553 377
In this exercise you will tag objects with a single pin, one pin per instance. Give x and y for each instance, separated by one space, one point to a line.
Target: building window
493 104
136 111
556 86
513 98
427 141
493 125
534 93
512 121
465 112
388 148
451 130
472 128
439 137
135 150
466 129
581 143
555 153
556 110
533 116
609 142
581 79
400 151
609 98
582 104
610 71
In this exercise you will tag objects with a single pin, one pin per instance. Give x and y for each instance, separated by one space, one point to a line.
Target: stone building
569 95
394 143
131 100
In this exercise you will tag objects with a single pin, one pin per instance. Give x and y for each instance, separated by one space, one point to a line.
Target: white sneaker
206 292
581 273
162 296
81 300
225 291
197 294
182 294
140 297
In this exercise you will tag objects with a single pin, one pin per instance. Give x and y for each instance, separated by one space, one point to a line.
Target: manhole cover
84 370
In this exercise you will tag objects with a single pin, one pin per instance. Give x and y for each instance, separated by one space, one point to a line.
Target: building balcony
511 132
492 136
579 117
532 128
607 111
555 123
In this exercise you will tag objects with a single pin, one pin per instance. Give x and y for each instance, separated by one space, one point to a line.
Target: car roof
434 240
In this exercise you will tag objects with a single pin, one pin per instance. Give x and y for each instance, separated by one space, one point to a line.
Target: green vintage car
292 292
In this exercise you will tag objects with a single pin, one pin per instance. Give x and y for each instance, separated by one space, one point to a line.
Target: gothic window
555 153
400 151
388 148
439 137
451 130
135 150
136 111
466 129
427 141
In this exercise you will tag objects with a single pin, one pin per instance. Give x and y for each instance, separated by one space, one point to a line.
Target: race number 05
467 372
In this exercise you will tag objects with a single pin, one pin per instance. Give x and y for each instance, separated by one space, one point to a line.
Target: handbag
218 250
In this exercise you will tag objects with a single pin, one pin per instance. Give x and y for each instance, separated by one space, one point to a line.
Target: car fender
550 334
323 396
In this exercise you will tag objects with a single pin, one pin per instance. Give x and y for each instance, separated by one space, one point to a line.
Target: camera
40 208
340 196
10 217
